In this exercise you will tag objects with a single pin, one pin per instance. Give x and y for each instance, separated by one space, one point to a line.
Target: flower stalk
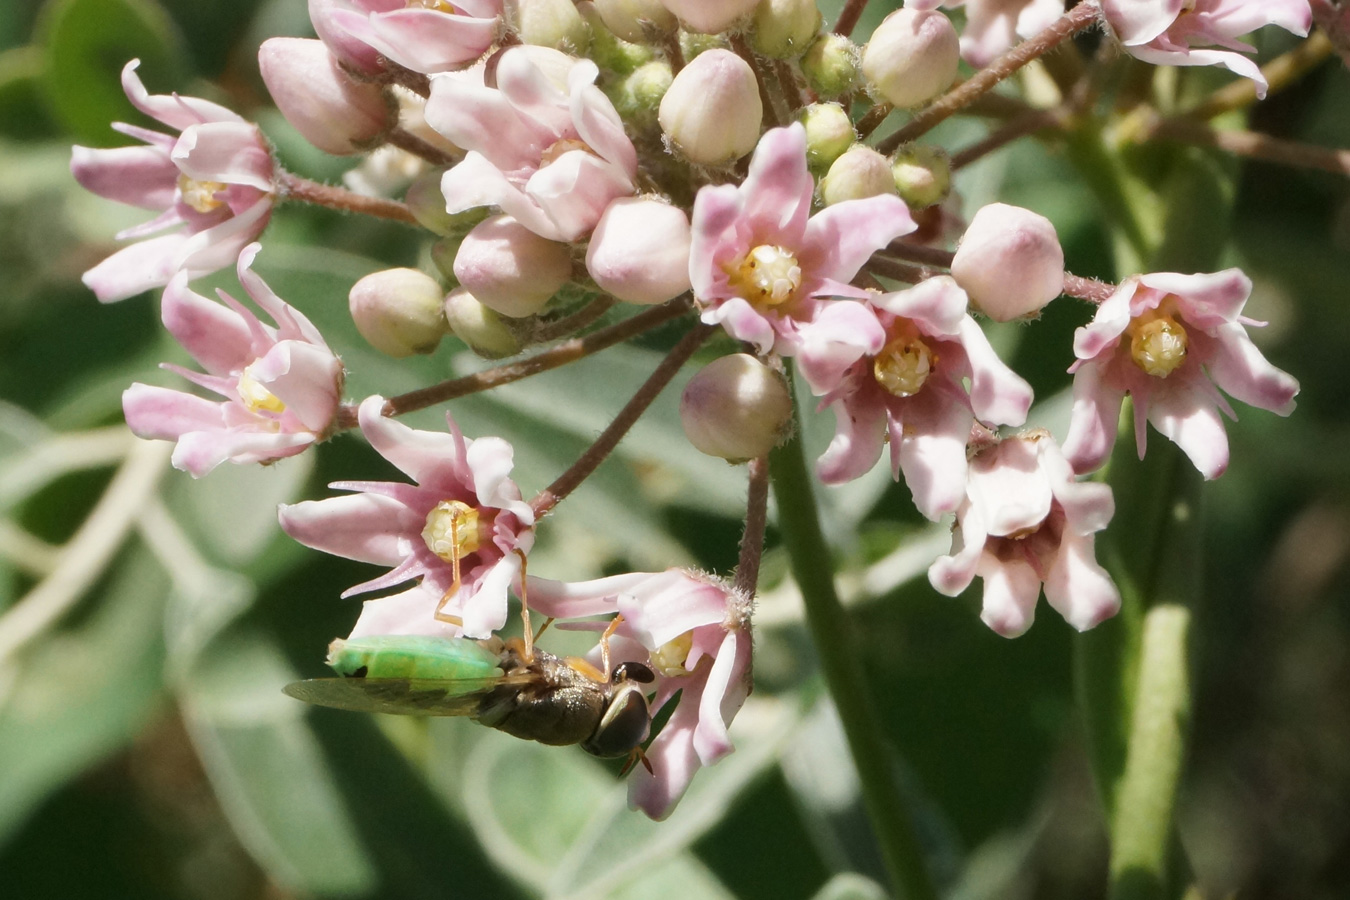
294 187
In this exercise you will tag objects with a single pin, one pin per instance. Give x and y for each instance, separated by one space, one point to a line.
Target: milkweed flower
762 267
211 182
1179 32
281 383
912 394
550 155
995 26
693 630
1169 341
1025 522
462 512
422 35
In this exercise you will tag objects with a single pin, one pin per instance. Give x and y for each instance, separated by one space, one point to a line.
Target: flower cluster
696 158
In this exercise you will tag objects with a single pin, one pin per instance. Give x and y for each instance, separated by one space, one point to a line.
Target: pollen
436 5
566 145
767 276
200 195
1157 344
670 657
903 366
256 397
451 531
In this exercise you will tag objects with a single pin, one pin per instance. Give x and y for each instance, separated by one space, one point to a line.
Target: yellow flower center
451 531
256 397
1157 343
903 366
200 195
437 5
767 276
670 657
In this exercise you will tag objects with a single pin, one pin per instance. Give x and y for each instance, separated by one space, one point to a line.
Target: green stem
1108 180
835 644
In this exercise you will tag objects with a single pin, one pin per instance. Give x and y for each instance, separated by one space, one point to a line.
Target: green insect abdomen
414 657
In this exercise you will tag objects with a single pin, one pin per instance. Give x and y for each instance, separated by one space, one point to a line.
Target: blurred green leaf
87 42
23 109
78 694
851 886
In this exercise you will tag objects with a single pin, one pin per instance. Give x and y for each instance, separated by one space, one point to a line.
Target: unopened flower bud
479 327
829 132
923 175
550 23
709 16
912 57
609 51
831 65
694 45
736 408
712 111
637 96
1009 262
639 251
860 172
443 253
510 268
329 109
784 28
427 204
637 21
399 311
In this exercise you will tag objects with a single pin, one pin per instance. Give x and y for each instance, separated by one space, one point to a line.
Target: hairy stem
568 481
849 16
1251 145
756 518
1006 134
407 141
1075 20
292 187
835 641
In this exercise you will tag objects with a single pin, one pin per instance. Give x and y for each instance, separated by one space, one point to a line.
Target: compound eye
625 725
632 671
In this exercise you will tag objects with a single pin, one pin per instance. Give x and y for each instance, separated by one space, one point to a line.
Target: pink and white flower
995 26
426 36
762 269
212 183
1169 341
1178 32
694 632
462 513
281 383
550 155
913 395
1025 522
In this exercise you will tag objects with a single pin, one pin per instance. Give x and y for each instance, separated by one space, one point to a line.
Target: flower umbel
463 516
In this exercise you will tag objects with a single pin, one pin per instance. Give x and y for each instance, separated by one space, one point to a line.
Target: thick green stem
836 646
1127 208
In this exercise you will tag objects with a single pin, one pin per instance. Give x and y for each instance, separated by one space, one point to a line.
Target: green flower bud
783 29
427 204
611 53
860 172
479 327
638 21
923 174
829 132
831 65
736 408
637 96
399 311
692 44
550 23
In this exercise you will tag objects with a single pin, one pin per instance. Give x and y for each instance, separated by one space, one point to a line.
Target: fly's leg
526 629
604 644
440 614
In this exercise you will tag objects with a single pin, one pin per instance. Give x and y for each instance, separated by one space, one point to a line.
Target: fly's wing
403 696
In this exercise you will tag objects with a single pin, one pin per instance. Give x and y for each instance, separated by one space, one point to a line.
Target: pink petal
1088 505
485 611
841 333
1208 300
576 599
742 321
1110 322
410 612
479 118
840 238
365 527
672 757
136 268
218 338
230 152
713 239
1077 587
931 450
777 191
937 305
1094 421
175 111
199 452
306 379
596 121
424 456
1186 415
711 741
1011 588
1242 371
490 460
1233 62
860 431
164 414
138 176
423 40
574 190
997 393
1010 489
669 604
952 574
219 246
291 323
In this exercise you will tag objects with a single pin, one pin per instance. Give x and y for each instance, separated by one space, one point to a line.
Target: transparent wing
403 696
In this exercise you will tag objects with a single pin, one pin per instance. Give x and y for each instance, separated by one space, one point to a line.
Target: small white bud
639 251
330 110
510 268
860 172
912 57
709 16
398 311
712 111
923 175
736 408
637 21
1009 262
550 23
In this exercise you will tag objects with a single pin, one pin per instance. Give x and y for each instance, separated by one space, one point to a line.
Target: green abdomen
414 656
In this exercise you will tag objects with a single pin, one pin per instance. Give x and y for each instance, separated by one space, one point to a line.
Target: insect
508 685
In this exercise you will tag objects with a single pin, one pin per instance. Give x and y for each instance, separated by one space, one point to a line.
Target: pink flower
1025 522
759 266
694 632
281 384
423 35
1167 340
550 155
463 511
212 183
1166 32
912 395
995 26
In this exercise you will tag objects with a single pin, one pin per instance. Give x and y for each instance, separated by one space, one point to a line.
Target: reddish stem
756 520
292 187
849 16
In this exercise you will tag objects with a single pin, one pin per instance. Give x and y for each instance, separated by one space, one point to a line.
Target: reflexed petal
931 450
937 305
1011 589
138 176
1110 322
711 741
1241 370
484 610
997 393
1233 62
199 452
218 338
1186 415
365 527
164 414
424 456
860 432
840 238
597 122
777 191
1207 300
230 152
577 599
952 574
672 757
173 110
136 268
407 613
1010 488
841 333
1094 421
490 460
306 379
742 321
1078 588
714 240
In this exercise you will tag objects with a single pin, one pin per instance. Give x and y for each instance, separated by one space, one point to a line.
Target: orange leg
604 643
526 629
440 614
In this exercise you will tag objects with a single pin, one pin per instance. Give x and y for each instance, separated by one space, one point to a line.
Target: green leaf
86 43
79 694
23 110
